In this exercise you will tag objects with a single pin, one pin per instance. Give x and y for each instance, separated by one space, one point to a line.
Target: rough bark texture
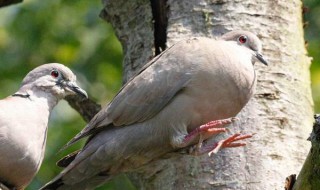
132 21
280 112
309 176
86 108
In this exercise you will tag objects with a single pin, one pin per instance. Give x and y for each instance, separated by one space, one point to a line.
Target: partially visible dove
24 120
160 109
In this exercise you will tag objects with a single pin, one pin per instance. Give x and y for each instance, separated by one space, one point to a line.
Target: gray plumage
191 83
24 119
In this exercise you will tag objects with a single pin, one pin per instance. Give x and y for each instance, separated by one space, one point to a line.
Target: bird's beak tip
261 58
81 92
77 90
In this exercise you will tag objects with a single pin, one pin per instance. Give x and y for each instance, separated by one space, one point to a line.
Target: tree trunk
280 113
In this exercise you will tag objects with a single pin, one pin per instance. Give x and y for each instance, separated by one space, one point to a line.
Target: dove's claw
230 142
207 130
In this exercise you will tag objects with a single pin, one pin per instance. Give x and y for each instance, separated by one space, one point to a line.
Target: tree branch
87 108
309 177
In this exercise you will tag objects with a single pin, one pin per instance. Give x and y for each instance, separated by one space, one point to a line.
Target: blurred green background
70 32
312 37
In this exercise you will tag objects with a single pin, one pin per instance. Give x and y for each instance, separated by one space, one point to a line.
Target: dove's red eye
54 73
242 39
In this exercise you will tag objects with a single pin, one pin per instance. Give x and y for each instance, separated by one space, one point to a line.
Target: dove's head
53 78
247 39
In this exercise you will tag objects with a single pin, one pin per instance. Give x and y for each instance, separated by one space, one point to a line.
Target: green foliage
312 36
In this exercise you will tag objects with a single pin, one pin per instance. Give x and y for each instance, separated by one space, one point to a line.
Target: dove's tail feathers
65 161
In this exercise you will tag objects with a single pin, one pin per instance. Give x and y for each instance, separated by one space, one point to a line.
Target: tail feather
53 185
75 139
84 133
65 161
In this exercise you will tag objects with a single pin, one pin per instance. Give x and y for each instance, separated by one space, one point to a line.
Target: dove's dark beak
72 88
260 58
76 89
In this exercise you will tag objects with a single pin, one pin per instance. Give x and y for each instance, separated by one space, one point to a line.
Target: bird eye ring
242 39
54 73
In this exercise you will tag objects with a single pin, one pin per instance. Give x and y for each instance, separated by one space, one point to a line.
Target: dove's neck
39 96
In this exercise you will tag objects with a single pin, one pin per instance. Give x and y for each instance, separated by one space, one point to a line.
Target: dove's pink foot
230 142
208 129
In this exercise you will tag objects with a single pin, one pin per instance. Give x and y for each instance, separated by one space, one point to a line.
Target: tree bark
280 113
309 176
87 108
132 21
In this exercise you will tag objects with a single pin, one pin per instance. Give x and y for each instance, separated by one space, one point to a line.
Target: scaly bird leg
230 142
208 129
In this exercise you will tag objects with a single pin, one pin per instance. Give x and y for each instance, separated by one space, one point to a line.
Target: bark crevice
160 23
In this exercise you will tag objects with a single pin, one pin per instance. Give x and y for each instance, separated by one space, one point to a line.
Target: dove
179 99
24 119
